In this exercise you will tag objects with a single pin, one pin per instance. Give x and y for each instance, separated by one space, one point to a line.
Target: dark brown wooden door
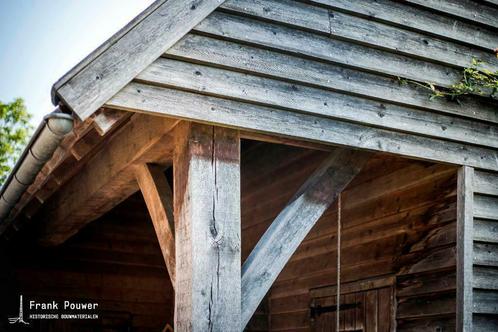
366 310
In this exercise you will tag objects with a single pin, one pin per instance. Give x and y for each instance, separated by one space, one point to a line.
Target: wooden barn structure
257 165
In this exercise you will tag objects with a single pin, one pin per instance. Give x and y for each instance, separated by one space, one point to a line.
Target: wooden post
207 216
159 200
465 244
292 225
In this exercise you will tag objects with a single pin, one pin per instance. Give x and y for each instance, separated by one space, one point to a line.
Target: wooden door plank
159 200
371 309
385 319
290 227
207 216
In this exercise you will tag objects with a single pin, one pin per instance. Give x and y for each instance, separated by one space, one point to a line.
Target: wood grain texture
486 207
109 262
485 230
365 31
207 217
485 254
485 323
106 179
486 183
159 199
122 60
485 277
485 302
418 19
102 48
465 238
466 9
105 120
292 225
174 103
322 47
255 89
264 62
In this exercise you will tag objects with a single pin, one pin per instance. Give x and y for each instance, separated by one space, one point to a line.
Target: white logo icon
19 319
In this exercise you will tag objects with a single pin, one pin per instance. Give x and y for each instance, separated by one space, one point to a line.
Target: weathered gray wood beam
250 59
292 225
292 96
319 46
126 56
276 121
207 216
362 30
465 244
105 120
468 10
418 19
159 200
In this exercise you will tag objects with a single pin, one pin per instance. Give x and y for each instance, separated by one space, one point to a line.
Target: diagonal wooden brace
159 200
291 226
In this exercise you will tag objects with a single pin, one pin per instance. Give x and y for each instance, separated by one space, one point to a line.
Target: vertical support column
465 202
207 224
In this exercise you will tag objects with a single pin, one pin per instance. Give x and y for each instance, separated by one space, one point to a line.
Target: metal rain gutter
47 137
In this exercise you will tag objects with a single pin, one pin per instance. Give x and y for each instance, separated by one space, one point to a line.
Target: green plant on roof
475 81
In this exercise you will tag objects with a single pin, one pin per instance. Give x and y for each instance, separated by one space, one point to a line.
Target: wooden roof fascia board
101 49
108 69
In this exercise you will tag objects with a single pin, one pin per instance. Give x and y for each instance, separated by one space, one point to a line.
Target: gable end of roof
91 83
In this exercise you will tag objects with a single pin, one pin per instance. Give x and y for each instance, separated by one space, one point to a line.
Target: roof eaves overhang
119 60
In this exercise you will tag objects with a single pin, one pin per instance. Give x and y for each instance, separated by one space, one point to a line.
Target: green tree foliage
14 132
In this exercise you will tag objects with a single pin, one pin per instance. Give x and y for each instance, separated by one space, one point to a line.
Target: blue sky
40 40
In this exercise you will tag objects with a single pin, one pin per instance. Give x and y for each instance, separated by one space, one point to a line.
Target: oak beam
292 225
297 125
159 200
107 178
207 216
465 247
104 120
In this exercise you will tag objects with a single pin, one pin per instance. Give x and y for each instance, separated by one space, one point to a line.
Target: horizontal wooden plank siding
300 98
354 28
485 274
417 19
264 62
115 262
208 109
466 9
334 72
328 66
486 183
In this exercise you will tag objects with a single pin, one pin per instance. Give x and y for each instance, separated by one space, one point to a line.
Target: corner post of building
206 169
465 243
